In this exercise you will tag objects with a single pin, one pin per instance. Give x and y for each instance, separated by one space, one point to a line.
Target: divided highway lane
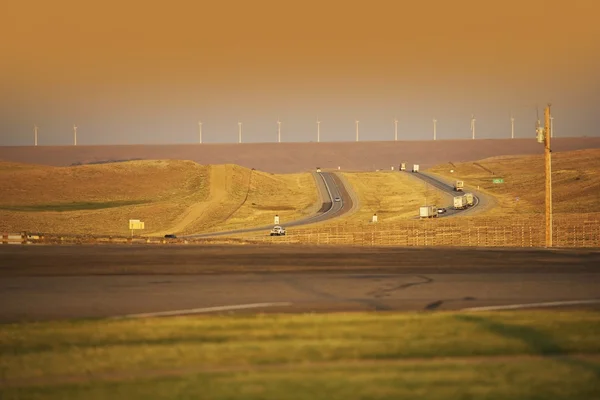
329 186
449 189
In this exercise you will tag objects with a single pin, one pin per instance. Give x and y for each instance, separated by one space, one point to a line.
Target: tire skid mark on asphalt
304 288
297 285
386 291
437 304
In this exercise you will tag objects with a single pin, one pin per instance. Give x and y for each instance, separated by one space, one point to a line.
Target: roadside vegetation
73 206
391 195
535 354
169 196
575 181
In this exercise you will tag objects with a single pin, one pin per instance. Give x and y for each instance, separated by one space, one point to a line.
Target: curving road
447 189
330 187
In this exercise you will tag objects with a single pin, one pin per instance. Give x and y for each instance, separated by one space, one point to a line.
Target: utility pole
239 132
74 135
395 129
473 126
548 164
200 131
35 135
318 130
543 136
512 127
278 130
357 130
434 129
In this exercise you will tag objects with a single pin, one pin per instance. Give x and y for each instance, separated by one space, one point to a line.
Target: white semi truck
403 166
428 212
460 202
415 168
459 186
470 199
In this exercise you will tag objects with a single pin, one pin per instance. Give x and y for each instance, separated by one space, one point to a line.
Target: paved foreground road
54 282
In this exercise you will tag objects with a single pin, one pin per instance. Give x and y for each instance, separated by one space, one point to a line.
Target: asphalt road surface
330 187
449 190
57 282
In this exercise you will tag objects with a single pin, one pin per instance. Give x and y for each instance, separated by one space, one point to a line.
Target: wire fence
577 230
569 230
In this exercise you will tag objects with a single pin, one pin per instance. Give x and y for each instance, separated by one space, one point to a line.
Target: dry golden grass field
575 181
391 195
169 196
576 187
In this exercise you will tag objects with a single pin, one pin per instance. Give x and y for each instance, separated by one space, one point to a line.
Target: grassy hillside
290 196
390 195
169 196
575 181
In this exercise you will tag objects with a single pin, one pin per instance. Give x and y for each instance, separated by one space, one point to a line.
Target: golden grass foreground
530 354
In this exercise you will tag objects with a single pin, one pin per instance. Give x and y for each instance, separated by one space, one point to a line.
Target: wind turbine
512 126
357 130
35 135
239 132
200 131
318 130
395 129
74 135
434 129
278 130
473 126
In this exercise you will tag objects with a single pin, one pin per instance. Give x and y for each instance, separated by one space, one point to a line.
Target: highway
61 282
329 186
448 189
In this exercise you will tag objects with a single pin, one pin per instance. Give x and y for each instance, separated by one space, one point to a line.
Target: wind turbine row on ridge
395 120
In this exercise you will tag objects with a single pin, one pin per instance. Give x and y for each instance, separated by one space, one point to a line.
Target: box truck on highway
460 202
428 212
403 166
415 168
458 186
469 198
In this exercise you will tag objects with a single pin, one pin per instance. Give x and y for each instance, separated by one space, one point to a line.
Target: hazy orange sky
146 72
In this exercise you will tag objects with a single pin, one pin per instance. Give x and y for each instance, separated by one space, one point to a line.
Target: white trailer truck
459 186
470 199
403 166
460 202
415 168
428 212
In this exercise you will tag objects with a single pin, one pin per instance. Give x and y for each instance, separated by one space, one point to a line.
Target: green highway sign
498 180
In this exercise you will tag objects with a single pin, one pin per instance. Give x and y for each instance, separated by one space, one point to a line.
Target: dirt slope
169 196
